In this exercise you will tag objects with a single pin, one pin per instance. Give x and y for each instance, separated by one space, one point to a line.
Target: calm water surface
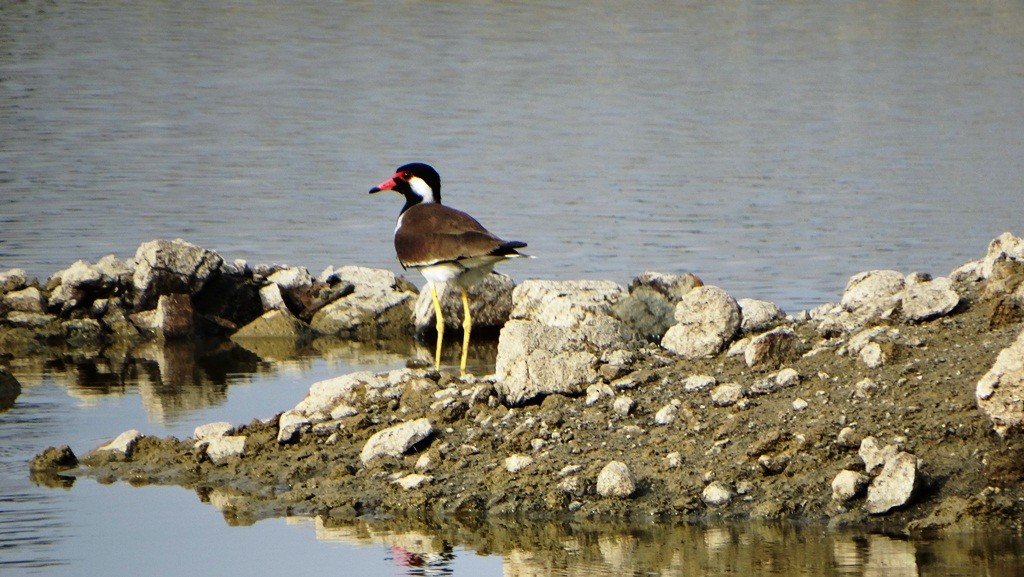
773 148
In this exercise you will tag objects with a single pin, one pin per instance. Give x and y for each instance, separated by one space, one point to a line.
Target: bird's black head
416 181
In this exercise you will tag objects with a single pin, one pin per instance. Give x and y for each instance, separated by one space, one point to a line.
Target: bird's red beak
386 185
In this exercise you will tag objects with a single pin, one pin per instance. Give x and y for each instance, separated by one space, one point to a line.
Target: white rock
799 404
875 285
1004 246
758 315
211 430
291 278
380 302
396 440
716 494
623 405
674 460
894 485
726 394
413 481
175 266
787 377
12 279
708 319
667 414
220 449
516 463
597 392
697 383
927 300
872 355
848 438
424 463
123 443
615 480
271 298
28 300
848 484
289 424
560 335
873 455
1000 390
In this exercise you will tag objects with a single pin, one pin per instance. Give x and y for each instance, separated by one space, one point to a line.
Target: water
773 148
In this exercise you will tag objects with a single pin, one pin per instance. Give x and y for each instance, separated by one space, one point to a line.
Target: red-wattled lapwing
444 244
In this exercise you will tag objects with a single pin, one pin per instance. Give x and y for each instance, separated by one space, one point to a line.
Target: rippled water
773 148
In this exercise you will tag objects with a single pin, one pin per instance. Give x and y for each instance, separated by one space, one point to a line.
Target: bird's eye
406 175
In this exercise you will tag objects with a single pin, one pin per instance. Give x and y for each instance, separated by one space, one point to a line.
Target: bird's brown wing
434 233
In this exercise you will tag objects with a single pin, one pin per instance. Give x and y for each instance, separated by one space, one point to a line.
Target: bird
447 246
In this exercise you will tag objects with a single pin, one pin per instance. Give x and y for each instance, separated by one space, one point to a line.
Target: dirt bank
771 453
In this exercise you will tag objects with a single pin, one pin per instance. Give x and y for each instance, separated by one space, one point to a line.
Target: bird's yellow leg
467 326
439 318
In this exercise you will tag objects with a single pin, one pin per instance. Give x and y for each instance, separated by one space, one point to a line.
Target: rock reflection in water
553 548
178 377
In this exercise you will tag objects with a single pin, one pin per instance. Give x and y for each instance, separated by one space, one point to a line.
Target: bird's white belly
465 273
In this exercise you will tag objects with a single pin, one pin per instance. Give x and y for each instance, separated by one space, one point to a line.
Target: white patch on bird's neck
422 189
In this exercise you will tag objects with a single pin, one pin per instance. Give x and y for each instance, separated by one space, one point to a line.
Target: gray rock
708 319
27 300
82 332
490 304
561 334
381 305
396 440
726 395
758 315
277 323
894 485
174 316
787 377
999 391
649 312
848 484
171 266
220 449
716 494
123 444
773 348
927 300
871 286
615 480
674 287
873 356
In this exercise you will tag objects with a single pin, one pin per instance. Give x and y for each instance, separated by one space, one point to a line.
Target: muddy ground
778 460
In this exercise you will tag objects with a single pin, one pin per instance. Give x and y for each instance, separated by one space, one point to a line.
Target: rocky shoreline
897 408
